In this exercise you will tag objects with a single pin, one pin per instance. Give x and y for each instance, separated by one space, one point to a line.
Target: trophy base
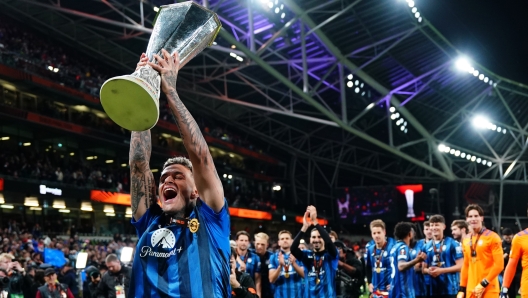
130 102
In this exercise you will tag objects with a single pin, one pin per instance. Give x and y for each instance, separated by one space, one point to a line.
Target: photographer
15 280
93 277
350 276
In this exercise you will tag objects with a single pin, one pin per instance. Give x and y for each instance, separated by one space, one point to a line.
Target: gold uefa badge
193 225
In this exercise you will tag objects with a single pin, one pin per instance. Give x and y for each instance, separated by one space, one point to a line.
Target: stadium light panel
350 84
480 122
462 64
392 109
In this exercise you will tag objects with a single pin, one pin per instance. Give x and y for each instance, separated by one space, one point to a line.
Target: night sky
492 33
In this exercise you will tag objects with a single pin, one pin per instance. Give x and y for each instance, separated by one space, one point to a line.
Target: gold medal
317 281
287 274
378 270
193 225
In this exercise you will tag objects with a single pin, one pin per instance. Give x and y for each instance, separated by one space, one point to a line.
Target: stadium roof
318 80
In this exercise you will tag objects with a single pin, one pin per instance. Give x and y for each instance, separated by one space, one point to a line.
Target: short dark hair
437 218
239 233
461 224
111 258
474 207
402 229
507 231
178 160
427 223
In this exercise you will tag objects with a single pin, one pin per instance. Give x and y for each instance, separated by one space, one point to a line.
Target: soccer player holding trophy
183 248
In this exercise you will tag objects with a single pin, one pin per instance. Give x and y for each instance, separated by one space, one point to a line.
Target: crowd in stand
50 166
23 49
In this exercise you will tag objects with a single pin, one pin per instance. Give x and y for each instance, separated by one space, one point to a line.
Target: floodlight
402 128
446 149
441 147
473 158
479 160
411 3
504 131
417 15
270 4
463 155
481 76
370 106
486 79
463 64
392 109
452 151
489 163
457 153
350 76
357 90
414 10
126 254
499 129
484 162
480 122
283 15
468 157
476 73
350 84
80 262
277 10
419 19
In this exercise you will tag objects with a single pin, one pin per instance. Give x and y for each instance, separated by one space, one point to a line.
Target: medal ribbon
439 250
318 264
474 247
286 263
378 257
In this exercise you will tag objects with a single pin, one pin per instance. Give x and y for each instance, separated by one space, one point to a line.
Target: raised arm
329 245
205 176
297 253
142 185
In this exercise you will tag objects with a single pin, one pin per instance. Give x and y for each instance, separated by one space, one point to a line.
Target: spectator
52 288
116 279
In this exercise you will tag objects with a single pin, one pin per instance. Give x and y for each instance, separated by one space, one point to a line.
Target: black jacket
106 287
247 286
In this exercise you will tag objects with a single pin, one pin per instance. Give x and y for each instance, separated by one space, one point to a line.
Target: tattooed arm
142 187
205 176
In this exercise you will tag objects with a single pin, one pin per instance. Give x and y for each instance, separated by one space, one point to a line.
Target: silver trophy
132 101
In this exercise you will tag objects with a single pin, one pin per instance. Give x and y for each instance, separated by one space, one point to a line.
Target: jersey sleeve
403 253
456 250
497 253
367 257
429 257
144 221
274 261
515 256
217 222
465 268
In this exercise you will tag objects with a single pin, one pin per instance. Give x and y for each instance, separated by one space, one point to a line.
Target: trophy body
132 101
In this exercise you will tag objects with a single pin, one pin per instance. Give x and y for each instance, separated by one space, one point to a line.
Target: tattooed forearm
140 149
193 139
141 179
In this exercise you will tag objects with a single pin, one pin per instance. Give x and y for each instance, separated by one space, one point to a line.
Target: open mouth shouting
169 194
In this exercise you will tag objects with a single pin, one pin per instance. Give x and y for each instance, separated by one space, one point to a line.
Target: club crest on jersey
402 252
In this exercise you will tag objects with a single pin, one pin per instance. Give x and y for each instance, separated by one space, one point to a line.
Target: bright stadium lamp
480 122
463 64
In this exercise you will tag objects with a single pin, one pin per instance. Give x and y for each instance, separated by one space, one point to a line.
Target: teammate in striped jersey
377 260
247 260
286 273
402 263
444 261
320 265
183 247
